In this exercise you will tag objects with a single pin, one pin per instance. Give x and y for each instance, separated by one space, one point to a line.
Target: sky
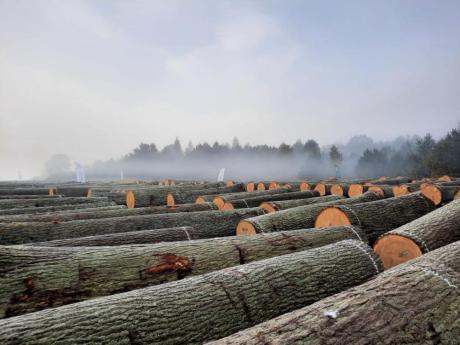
93 79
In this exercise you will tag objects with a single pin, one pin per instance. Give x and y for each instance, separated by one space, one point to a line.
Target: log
406 188
203 307
294 218
425 290
72 191
323 188
256 201
156 196
378 217
220 222
275 206
357 189
439 194
189 196
433 230
24 191
37 210
119 211
182 233
221 199
22 197
55 271
265 185
250 187
386 191
391 181
43 202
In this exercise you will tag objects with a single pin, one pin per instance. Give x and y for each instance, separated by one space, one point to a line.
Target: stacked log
275 206
439 194
433 230
24 191
357 189
378 217
181 196
22 197
386 191
119 211
156 196
222 223
74 191
406 188
294 218
56 271
425 289
323 188
43 202
392 181
205 307
250 187
221 199
35 210
257 200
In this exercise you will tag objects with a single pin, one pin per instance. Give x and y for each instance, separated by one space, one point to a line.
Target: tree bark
221 199
294 218
39 210
26 197
55 271
425 290
120 211
72 191
203 307
24 191
431 231
275 206
256 201
220 222
377 217
43 202
392 181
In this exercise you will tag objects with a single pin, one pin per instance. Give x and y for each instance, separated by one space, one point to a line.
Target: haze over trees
361 156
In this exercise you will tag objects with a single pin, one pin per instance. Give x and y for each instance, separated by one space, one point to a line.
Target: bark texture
203 307
56 273
285 204
189 196
221 199
415 303
36 210
222 223
24 191
43 202
256 201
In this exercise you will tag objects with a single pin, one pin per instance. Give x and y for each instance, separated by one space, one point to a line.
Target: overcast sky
92 79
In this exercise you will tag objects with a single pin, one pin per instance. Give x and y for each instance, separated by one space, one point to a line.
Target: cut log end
321 188
331 216
433 193
219 202
250 187
170 202
273 185
304 186
395 249
337 189
445 178
51 191
260 186
355 190
130 199
382 178
400 190
200 200
269 207
228 206
245 228
457 195
88 195
230 183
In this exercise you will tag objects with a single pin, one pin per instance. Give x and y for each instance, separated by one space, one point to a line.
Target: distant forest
361 156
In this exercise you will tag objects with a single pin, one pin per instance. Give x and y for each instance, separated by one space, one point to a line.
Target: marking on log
186 232
356 233
247 206
171 262
368 255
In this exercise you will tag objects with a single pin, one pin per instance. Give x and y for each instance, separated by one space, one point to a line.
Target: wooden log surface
222 223
43 202
24 191
439 194
59 208
221 199
56 272
415 303
429 232
204 307
275 206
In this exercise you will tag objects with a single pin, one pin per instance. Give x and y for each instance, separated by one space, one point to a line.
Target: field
369 261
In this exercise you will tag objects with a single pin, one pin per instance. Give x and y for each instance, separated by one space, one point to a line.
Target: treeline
361 156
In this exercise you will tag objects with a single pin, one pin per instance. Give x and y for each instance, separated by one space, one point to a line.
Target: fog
93 79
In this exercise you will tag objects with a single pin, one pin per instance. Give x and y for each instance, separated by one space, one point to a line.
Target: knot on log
170 262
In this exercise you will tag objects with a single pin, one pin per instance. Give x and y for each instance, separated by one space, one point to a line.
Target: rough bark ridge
56 273
433 230
24 191
294 218
256 201
203 307
285 204
189 196
40 210
221 199
415 303
377 217
43 202
392 181
211 222
119 211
